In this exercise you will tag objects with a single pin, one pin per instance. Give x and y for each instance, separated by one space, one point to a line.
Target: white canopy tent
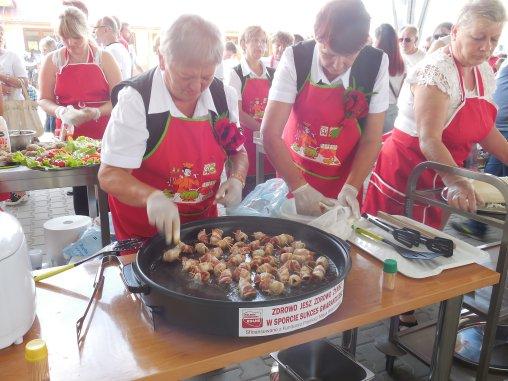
234 15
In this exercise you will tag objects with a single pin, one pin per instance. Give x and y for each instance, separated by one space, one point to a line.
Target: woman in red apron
179 127
470 123
321 132
75 83
252 80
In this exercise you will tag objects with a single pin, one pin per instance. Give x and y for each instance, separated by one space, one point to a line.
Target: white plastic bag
89 243
336 221
265 200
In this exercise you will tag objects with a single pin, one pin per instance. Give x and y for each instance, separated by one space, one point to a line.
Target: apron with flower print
322 132
321 139
470 123
186 166
184 158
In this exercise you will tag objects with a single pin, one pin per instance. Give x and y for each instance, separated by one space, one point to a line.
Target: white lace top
438 69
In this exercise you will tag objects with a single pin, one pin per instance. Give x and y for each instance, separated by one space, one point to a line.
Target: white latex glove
77 117
347 198
60 110
229 193
308 200
163 214
461 195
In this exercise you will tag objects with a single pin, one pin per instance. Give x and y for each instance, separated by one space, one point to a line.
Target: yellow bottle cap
36 350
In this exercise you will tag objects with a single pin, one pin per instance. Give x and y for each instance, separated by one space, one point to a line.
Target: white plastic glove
347 198
461 195
60 110
308 200
163 214
229 193
78 117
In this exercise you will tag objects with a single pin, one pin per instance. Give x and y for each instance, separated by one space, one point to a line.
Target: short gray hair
192 40
492 10
47 42
410 28
111 23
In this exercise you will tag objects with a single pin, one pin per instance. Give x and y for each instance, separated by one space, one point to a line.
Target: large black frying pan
213 308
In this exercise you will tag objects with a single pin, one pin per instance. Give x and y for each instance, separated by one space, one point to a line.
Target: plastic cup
35 258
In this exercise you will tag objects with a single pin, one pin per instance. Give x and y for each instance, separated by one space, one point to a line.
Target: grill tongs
97 288
411 237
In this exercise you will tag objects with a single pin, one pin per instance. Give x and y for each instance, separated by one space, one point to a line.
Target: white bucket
62 231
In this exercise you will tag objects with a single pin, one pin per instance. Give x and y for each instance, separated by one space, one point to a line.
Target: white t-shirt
11 64
284 83
438 69
232 79
124 141
222 69
410 60
122 58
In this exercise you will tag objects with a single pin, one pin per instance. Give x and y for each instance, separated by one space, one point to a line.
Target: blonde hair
73 24
249 33
492 10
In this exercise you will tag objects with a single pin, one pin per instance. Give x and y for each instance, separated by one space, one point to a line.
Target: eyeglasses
406 39
438 36
100 26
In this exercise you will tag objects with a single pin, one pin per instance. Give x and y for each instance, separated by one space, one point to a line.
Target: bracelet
239 177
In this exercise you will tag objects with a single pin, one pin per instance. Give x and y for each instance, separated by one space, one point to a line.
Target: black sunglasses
406 39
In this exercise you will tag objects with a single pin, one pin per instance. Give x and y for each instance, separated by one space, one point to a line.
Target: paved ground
47 204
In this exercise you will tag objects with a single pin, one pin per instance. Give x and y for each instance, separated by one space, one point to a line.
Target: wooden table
25 179
121 344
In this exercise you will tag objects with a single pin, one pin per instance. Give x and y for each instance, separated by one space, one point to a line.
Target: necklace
82 59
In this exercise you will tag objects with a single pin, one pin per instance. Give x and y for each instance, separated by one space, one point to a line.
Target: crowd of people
335 112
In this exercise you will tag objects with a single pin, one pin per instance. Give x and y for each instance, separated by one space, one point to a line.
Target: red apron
83 85
254 99
321 141
470 124
186 165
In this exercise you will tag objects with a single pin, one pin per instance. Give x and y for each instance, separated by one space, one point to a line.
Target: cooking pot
20 139
173 295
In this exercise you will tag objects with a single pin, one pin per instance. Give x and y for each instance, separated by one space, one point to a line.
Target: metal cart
419 340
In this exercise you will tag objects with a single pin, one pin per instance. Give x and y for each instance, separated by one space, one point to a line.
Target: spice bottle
389 273
36 356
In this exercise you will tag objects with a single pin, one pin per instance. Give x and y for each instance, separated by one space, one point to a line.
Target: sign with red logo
252 319
283 318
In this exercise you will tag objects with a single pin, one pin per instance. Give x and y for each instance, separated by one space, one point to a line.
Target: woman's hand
461 195
78 117
308 200
229 193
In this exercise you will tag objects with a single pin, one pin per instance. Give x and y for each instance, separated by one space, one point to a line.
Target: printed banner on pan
283 318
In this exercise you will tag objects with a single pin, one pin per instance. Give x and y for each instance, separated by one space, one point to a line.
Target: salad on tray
80 152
